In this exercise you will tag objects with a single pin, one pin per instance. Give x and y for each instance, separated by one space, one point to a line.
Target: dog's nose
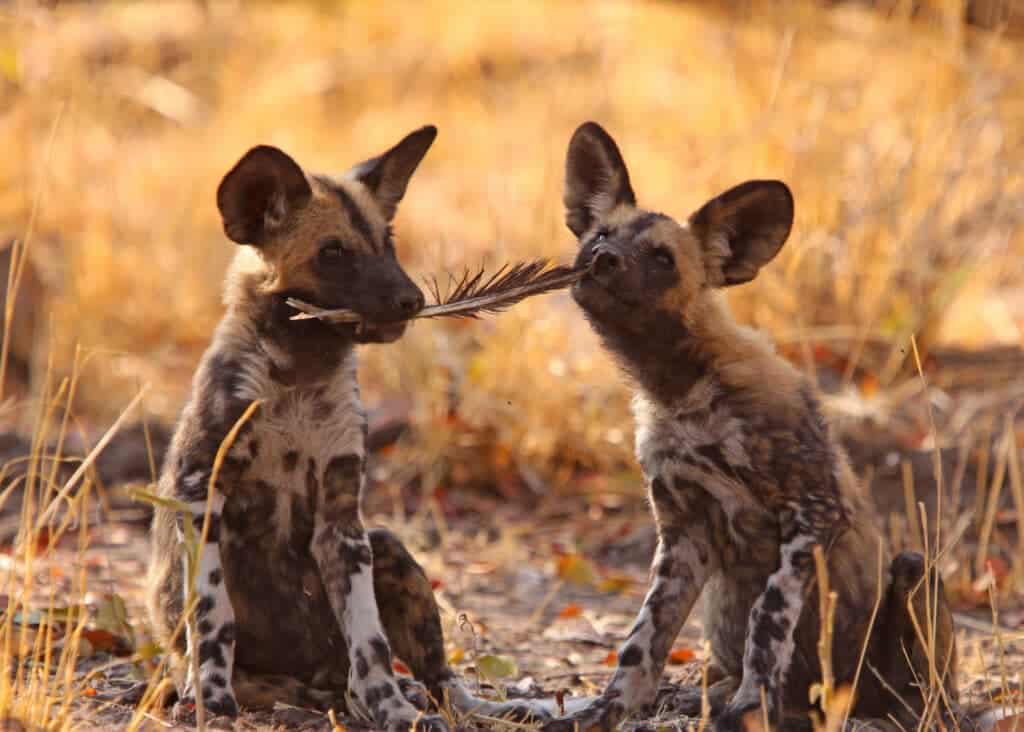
607 263
409 303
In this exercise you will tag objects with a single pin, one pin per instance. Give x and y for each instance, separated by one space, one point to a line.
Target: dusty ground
553 590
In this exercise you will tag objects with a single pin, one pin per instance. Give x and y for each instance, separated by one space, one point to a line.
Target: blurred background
502 447
898 125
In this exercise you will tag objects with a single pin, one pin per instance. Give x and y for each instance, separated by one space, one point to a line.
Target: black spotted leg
682 563
769 644
344 556
211 636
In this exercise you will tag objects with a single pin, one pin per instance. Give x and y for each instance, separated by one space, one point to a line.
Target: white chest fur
698 440
296 432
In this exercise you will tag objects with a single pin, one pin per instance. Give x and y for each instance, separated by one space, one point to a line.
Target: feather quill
471 294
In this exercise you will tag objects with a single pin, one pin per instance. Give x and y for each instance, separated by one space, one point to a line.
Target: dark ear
388 175
258 194
596 179
743 229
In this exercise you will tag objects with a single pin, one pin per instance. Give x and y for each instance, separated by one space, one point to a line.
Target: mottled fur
296 601
743 473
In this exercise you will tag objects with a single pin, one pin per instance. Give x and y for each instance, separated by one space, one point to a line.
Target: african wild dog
296 601
742 471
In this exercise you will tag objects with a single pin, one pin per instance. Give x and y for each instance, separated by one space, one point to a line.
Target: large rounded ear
596 179
258 194
387 175
743 229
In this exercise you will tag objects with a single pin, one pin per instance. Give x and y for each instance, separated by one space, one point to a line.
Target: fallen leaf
681 655
89 691
611 659
497 667
104 640
572 610
575 569
617 583
112 614
149 651
436 584
456 656
400 668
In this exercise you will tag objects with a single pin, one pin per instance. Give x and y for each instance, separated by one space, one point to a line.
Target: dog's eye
663 257
600 236
332 248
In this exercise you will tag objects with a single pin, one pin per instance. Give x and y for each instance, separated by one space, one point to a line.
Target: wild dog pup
743 474
297 602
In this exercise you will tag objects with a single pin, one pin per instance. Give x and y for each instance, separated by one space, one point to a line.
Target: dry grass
902 142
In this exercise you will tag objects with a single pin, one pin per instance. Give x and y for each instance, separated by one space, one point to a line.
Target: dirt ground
552 590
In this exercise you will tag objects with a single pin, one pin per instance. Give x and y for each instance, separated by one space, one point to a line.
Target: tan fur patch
289 258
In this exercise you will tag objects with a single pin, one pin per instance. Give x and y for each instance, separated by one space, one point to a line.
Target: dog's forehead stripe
643 222
355 214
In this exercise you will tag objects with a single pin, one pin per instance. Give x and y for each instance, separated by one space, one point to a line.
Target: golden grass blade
89 459
472 294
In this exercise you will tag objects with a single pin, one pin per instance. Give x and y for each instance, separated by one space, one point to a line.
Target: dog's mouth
590 293
361 328
370 332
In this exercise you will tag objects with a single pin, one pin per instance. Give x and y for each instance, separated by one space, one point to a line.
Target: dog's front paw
514 710
414 692
421 723
387 705
603 714
686 701
214 704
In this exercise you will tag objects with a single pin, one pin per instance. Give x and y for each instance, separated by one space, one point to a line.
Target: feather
471 294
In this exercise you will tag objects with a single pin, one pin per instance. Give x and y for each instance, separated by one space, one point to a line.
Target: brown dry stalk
471 294
826 611
914 529
705 702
